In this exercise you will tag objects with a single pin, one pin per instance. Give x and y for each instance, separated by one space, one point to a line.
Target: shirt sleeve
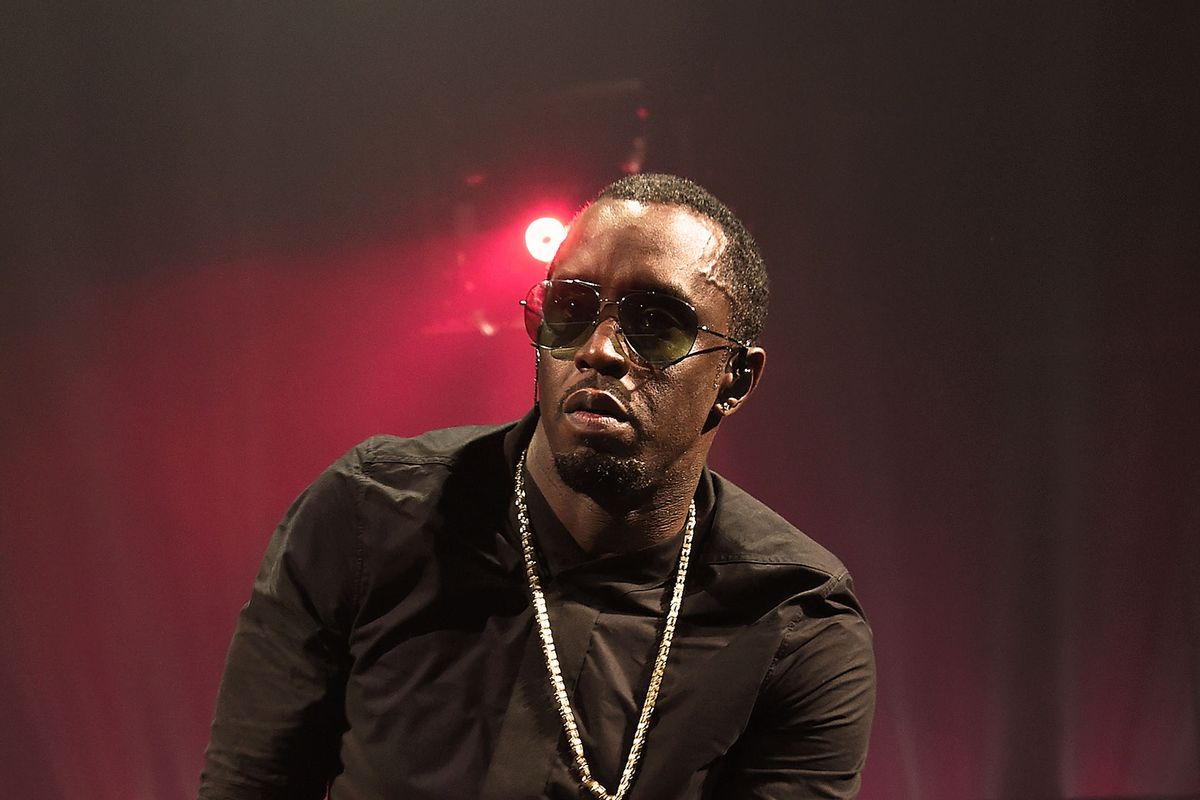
807 737
279 716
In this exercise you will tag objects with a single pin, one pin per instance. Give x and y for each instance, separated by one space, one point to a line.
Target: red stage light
543 236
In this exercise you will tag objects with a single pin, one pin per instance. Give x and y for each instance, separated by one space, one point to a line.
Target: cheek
552 371
679 410
549 380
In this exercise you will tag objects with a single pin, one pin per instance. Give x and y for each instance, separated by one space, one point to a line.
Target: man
570 606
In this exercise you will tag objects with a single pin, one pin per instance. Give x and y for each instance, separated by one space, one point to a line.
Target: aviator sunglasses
658 328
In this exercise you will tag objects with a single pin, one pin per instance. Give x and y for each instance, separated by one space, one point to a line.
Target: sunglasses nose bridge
601 308
604 342
604 350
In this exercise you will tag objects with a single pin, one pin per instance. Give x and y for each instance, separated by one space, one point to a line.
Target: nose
603 351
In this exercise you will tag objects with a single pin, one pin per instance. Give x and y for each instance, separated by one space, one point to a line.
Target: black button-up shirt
389 650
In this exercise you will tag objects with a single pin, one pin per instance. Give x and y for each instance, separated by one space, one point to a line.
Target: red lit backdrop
238 239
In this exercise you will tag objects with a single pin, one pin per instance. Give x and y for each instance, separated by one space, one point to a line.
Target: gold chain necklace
556 680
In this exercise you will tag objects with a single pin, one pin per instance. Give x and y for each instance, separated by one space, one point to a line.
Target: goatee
606 478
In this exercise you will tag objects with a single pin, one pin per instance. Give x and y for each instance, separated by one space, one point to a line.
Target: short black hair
740 268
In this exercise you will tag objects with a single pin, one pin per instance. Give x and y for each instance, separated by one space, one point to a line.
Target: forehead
626 244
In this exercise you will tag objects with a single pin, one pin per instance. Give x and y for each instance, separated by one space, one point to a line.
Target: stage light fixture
543 236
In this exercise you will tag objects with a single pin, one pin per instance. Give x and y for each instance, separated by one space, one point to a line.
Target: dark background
239 237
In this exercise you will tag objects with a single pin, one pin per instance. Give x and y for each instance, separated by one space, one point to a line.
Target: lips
596 402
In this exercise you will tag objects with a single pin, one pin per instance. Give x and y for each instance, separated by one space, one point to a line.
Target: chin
604 475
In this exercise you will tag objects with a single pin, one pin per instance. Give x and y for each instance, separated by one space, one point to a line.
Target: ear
741 378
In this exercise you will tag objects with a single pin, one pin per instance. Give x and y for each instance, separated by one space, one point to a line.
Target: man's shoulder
444 446
456 470
752 533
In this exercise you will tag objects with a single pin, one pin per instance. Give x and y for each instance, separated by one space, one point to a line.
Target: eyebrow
642 285
664 287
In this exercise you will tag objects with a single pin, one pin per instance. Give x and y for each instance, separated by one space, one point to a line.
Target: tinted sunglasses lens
568 314
660 328
533 302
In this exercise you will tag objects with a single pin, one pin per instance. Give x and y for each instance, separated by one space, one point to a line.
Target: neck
606 528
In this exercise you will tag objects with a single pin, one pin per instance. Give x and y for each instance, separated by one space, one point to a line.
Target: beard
607 478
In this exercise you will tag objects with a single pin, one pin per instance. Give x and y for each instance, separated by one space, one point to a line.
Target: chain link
557 684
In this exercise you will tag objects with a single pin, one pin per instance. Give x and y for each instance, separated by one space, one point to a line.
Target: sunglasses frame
569 352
